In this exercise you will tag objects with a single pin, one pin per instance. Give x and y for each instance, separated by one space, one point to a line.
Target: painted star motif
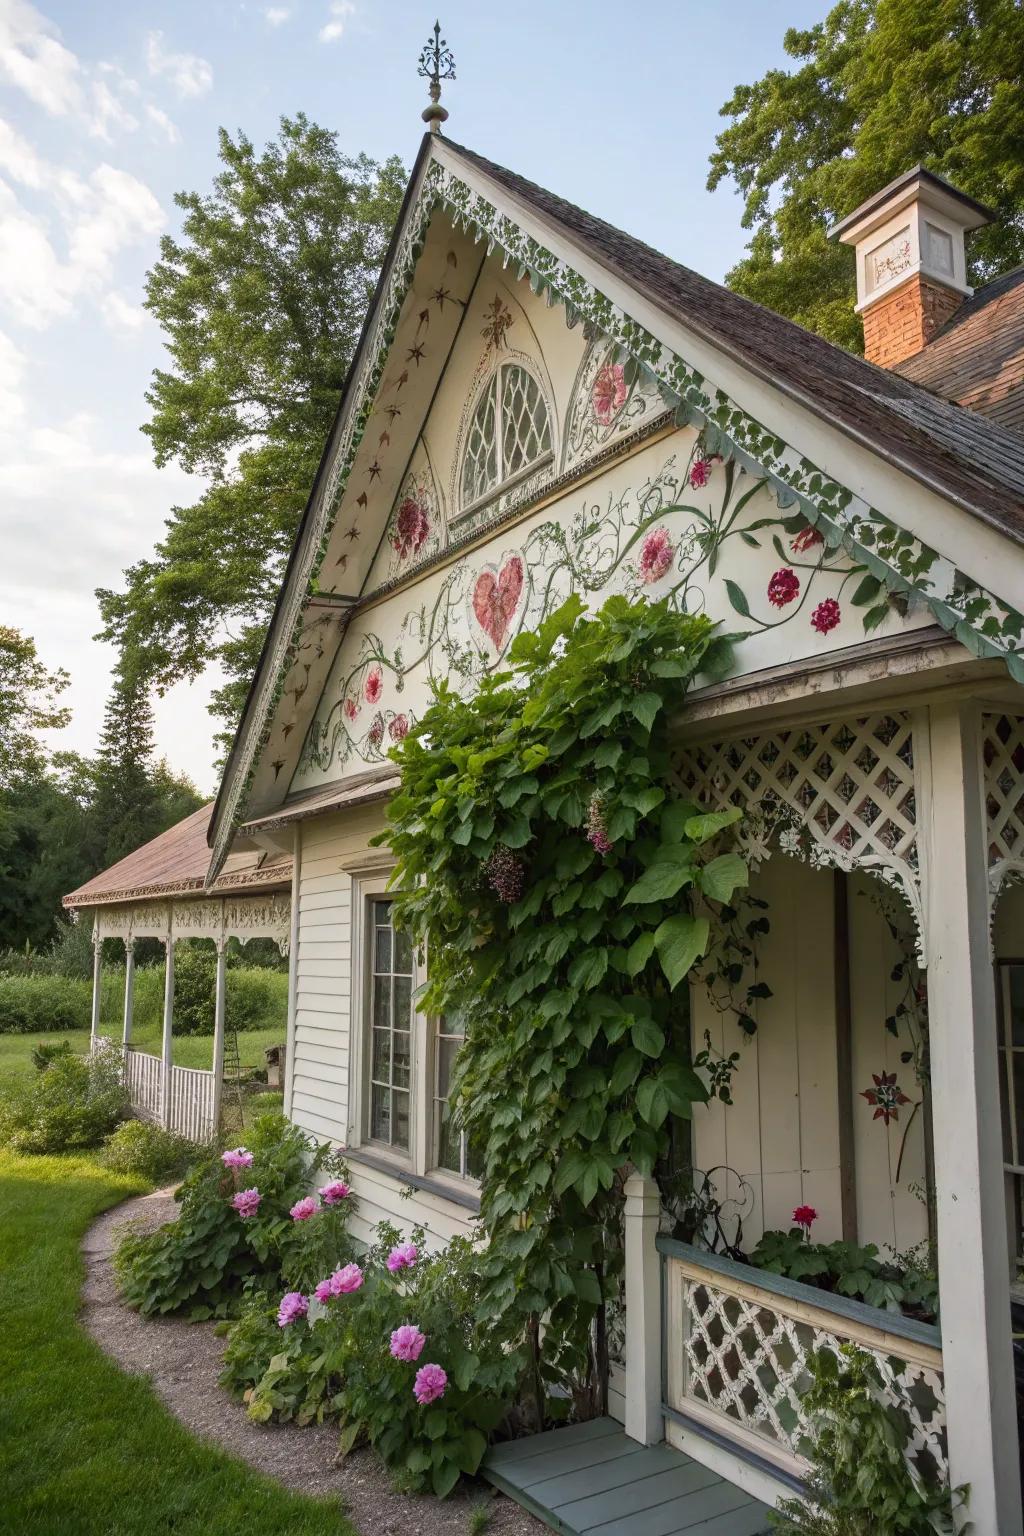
287 731
394 410
424 319
277 766
374 470
403 379
384 440
342 561
361 499
439 295
415 354
352 533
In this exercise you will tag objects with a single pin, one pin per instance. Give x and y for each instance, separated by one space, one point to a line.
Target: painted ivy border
898 559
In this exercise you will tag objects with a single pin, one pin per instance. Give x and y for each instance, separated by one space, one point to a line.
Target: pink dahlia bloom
247 1202
411 527
237 1157
345 1281
806 539
700 473
429 1385
656 554
407 1342
826 616
322 1291
609 392
783 587
302 1210
399 728
293 1305
374 685
335 1192
403 1256
351 707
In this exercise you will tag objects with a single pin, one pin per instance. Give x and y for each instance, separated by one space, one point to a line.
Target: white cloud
339 12
33 58
158 117
120 314
276 15
12 379
188 73
108 111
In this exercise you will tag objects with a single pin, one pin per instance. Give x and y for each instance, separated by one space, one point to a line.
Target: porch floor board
591 1480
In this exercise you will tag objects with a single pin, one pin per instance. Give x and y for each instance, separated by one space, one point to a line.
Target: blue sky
107 109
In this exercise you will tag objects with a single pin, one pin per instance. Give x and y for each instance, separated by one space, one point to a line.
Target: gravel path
183 1361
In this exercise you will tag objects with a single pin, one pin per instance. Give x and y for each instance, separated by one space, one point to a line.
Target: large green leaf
588 969
721 876
709 823
680 941
661 882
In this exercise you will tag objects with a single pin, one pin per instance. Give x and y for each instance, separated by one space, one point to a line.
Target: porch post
293 972
165 1095
219 1012
972 1242
129 988
97 971
644 1421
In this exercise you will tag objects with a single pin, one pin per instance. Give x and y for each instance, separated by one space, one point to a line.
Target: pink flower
237 1158
429 1384
407 1342
323 1291
374 685
246 1202
346 1280
410 529
656 554
399 728
609 392
404 1256
597 826
826 616
302 1210
783 587
351 708
804 1216
375 735
700 473
806 539
293 1305
335 1192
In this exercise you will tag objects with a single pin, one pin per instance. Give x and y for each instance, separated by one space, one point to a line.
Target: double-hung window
453 1150
391 1018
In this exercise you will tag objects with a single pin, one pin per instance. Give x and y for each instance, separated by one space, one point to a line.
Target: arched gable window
509 432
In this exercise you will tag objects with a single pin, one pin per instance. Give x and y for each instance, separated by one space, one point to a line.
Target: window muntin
1011 1094
388 1117
453 1150
510 431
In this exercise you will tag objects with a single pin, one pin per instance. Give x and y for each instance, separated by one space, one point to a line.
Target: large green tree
261 299
881 85
29 705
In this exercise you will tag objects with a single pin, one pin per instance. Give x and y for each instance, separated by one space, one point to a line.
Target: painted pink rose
656 553
826 616
700 473
410 529
236 1157
351 708
430 1384
334 1193
403 1256
783 587
399 728
609 392
302 1210
293 1306
407 1342
345 1281
374 685
375 735
247 1202
806 539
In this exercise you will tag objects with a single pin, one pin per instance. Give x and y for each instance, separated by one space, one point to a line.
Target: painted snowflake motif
410 529
609 392
886 1096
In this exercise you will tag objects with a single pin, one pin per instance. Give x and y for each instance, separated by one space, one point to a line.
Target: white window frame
503 482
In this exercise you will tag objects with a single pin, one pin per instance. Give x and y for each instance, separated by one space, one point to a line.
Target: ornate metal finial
437 63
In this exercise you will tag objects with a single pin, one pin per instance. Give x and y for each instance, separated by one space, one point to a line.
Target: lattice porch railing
737 1343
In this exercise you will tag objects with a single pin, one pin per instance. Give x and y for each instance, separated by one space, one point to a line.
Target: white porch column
644 1421
973 1257
129 988
219 1014
97 971
165 1093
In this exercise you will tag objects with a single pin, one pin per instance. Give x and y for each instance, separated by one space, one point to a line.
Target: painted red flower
700 473
886 1096
783 587
656 554
398 729
351 708
806 539
375 735
826 616
609 392
410 529
374 685
805 1216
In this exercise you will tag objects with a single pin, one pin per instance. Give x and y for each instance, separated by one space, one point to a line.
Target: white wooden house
540 404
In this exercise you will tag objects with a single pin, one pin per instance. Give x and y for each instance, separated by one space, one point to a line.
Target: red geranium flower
374 685
804 1216
826 616
783 587
700 473
806 539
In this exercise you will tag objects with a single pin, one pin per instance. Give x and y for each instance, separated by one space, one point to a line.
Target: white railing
737 1342
142 1075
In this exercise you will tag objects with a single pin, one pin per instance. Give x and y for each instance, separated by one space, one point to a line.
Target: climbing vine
564 890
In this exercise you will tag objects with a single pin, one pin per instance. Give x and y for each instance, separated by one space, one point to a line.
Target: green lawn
189 1050
86 1450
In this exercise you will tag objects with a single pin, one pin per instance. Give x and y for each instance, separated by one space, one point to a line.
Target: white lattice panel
745 1359
838 794
1003 752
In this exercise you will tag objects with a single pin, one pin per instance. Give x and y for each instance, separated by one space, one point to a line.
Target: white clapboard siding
381 1199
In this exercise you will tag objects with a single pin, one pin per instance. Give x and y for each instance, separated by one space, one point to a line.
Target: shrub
49 1051
137 1147
33 1002
206 1260
75 1103
340 1361
899 1285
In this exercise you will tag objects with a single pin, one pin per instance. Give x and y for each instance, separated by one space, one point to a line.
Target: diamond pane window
510 431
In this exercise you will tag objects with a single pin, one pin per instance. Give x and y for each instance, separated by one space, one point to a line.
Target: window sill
467 1198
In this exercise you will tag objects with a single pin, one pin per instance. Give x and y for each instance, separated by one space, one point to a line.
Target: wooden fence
190 1108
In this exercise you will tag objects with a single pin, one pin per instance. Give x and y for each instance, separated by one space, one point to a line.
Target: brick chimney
911 261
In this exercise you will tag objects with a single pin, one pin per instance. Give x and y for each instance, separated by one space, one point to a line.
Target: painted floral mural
608 394
410 527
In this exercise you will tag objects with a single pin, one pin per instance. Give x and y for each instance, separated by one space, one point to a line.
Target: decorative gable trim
900 560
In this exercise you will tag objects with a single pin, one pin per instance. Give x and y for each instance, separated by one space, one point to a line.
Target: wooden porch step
591 1480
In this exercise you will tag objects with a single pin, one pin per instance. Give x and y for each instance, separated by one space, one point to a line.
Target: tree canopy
882 85
261 299
29 696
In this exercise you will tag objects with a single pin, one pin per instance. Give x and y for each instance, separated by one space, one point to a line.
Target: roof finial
436 64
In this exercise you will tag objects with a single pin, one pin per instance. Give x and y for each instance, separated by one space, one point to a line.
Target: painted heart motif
496 598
